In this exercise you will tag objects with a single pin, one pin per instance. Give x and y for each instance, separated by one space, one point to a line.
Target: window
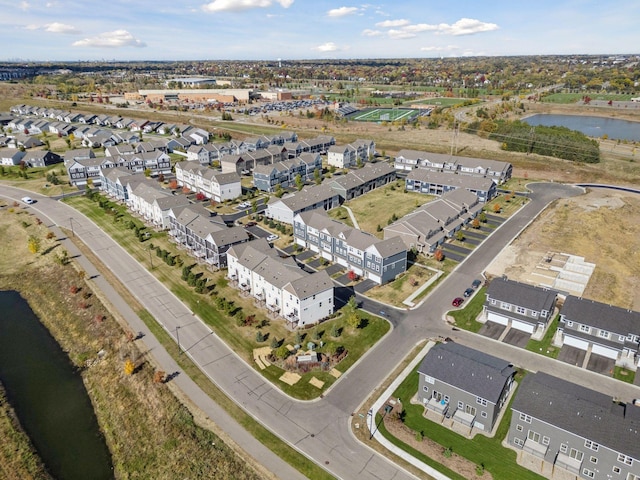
493 301
621 338
564 448
631 476
625 459
577 454
593 459
429 379
481 401
483 414
425 389
546 440
585 328
525 418
603 334
519 428
569 323
591 445
534 314
616 470
588 473
505 306
520 310
518 442
534 436
460 405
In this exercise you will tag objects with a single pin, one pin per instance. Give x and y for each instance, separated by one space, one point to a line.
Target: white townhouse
213 184
141 199
279 284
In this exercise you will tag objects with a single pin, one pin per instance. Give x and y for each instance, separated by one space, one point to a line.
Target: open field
384 115
602 226
442 101
150 434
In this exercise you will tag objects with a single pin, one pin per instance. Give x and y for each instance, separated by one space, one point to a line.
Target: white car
272 238
244 205
28 200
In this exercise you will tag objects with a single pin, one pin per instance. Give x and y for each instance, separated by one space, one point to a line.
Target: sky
61 30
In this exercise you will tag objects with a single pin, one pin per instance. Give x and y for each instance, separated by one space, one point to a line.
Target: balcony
535 448
570 464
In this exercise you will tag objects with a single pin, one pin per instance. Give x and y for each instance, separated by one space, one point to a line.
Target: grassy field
544 346
373 209
241 338
394 293
576 97
442 101
465 317
383 115
150 434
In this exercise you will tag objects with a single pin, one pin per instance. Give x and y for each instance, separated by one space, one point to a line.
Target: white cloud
56 27
466 26
342 11
393 23
448 48
327 47
52 4
239 5
371 33
400 34
24 6
118 38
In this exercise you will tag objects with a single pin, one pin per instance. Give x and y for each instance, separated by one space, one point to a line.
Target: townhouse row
559 429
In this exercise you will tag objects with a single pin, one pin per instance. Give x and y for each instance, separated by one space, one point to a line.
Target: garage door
375 278
575 342
605 351
525 327
494 317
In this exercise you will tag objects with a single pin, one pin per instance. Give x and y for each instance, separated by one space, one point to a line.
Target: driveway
365 285
457 248
307 254
572 355
257 231
492 330
315 264
333 269
475 234
600 364
453 256
517 338
343 279
494 219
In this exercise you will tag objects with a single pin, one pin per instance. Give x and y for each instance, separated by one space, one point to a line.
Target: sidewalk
375 433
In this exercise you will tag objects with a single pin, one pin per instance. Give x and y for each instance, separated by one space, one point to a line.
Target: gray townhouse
309 198
429 226
606 330
358 182
438 183
244 163
364 254
320 144
41 158
113 181
563 430
206 237
348 156
457 384
268 177
496 170
519 305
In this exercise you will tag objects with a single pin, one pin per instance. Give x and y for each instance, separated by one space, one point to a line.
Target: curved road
320 429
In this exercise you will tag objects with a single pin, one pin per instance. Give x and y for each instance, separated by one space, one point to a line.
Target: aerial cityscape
274 239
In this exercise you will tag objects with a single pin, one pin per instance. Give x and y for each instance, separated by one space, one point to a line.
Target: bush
259 336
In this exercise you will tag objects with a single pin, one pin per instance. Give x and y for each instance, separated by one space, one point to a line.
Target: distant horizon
246 30
285 60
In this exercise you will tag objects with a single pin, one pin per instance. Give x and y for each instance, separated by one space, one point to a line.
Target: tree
353 320
275 343
299 182
159 376
352 276
335 331
147 172
129 367
475 223
496 208
460 236
317 176
33 244
279 191
259 336
483 217
438 255
281 352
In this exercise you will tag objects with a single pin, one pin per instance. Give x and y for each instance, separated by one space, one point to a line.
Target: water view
590 126
48 395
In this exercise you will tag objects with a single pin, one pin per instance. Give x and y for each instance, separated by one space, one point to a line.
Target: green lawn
544 346
499 461
576 97
241 339
377 208
624 375
465 318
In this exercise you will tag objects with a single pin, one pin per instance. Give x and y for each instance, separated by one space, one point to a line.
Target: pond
591 126
46 391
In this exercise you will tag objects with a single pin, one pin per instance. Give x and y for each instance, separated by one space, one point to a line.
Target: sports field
385 115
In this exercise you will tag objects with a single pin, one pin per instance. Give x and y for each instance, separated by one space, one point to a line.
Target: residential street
319 428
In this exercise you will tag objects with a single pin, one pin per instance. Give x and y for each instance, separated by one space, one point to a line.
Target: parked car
28 200
250 224
468 292
272 238
244 205
476 283
457 301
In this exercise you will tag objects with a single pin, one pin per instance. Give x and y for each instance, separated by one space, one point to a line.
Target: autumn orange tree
129 367
34 244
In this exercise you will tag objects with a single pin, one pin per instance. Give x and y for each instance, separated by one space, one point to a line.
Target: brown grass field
150 434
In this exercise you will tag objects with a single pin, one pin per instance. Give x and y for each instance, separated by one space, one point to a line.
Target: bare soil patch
603 226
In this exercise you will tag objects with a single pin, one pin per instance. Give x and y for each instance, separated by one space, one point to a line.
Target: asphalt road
319 429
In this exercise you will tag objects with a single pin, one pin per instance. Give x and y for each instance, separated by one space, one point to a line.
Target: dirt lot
603 226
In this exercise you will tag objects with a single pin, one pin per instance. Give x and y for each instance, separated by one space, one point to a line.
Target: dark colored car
250 224
468 292
457 301
476 283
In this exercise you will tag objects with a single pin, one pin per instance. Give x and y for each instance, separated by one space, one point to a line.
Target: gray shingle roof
470 370
584 412
521 294
601 315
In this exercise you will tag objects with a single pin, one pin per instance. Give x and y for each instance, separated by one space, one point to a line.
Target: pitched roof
579 410
470 370
601 315
309 285
521 294
451 179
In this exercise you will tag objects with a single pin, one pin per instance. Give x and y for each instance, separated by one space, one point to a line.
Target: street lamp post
178 338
